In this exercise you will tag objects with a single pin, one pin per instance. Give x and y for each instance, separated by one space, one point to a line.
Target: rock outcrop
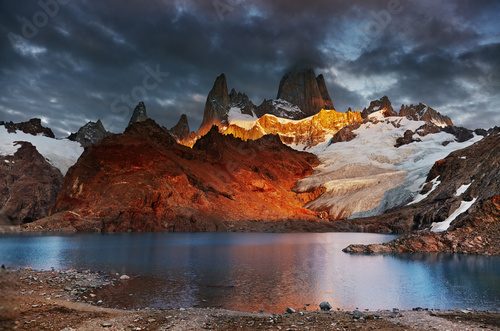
142 180
345 134
460 204
33 126
139 115
303 89
383 105
90 134
28 185
422 112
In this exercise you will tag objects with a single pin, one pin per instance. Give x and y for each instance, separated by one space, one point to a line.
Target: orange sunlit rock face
143 180
308 132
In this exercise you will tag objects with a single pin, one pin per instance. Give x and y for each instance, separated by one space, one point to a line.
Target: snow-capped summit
422 112
382 105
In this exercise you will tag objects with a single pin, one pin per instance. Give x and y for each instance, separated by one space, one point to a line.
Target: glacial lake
260 271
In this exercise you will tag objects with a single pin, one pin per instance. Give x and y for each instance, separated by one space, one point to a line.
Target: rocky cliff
28 185
143 180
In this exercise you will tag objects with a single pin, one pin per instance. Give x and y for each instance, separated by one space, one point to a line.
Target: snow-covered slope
61 153
368 175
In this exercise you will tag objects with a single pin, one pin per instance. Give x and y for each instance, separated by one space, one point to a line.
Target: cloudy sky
71 61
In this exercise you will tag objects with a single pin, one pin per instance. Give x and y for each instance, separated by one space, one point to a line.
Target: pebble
106 324
325 306
124 277
357 315
290 310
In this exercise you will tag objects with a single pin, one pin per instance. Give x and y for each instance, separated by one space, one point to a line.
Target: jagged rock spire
139 114
217 104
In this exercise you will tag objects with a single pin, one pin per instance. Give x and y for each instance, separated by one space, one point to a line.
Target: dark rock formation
216 106
303 89
461 134
422 112
406 139
90 134
33 126
427 128
28 185
345 134
139 114
383 104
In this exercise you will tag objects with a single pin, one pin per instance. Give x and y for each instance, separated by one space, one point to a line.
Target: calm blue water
264 271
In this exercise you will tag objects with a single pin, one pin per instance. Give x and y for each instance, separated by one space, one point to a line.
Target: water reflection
264 271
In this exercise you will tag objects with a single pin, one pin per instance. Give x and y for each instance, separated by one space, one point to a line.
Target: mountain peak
217 104
181 129
139 114
90 134
383 104
302 88
423 112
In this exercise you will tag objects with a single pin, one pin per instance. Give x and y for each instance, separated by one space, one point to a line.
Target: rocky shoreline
67 300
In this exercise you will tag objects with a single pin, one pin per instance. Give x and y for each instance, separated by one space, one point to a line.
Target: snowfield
368 175
61 153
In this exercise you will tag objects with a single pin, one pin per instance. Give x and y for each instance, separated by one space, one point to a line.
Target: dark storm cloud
91 59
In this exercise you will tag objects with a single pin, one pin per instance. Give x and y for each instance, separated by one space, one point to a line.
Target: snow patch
444 225
421 197
61 153
378 115
461 190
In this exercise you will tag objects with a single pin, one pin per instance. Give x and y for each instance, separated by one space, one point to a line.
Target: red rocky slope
143 180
